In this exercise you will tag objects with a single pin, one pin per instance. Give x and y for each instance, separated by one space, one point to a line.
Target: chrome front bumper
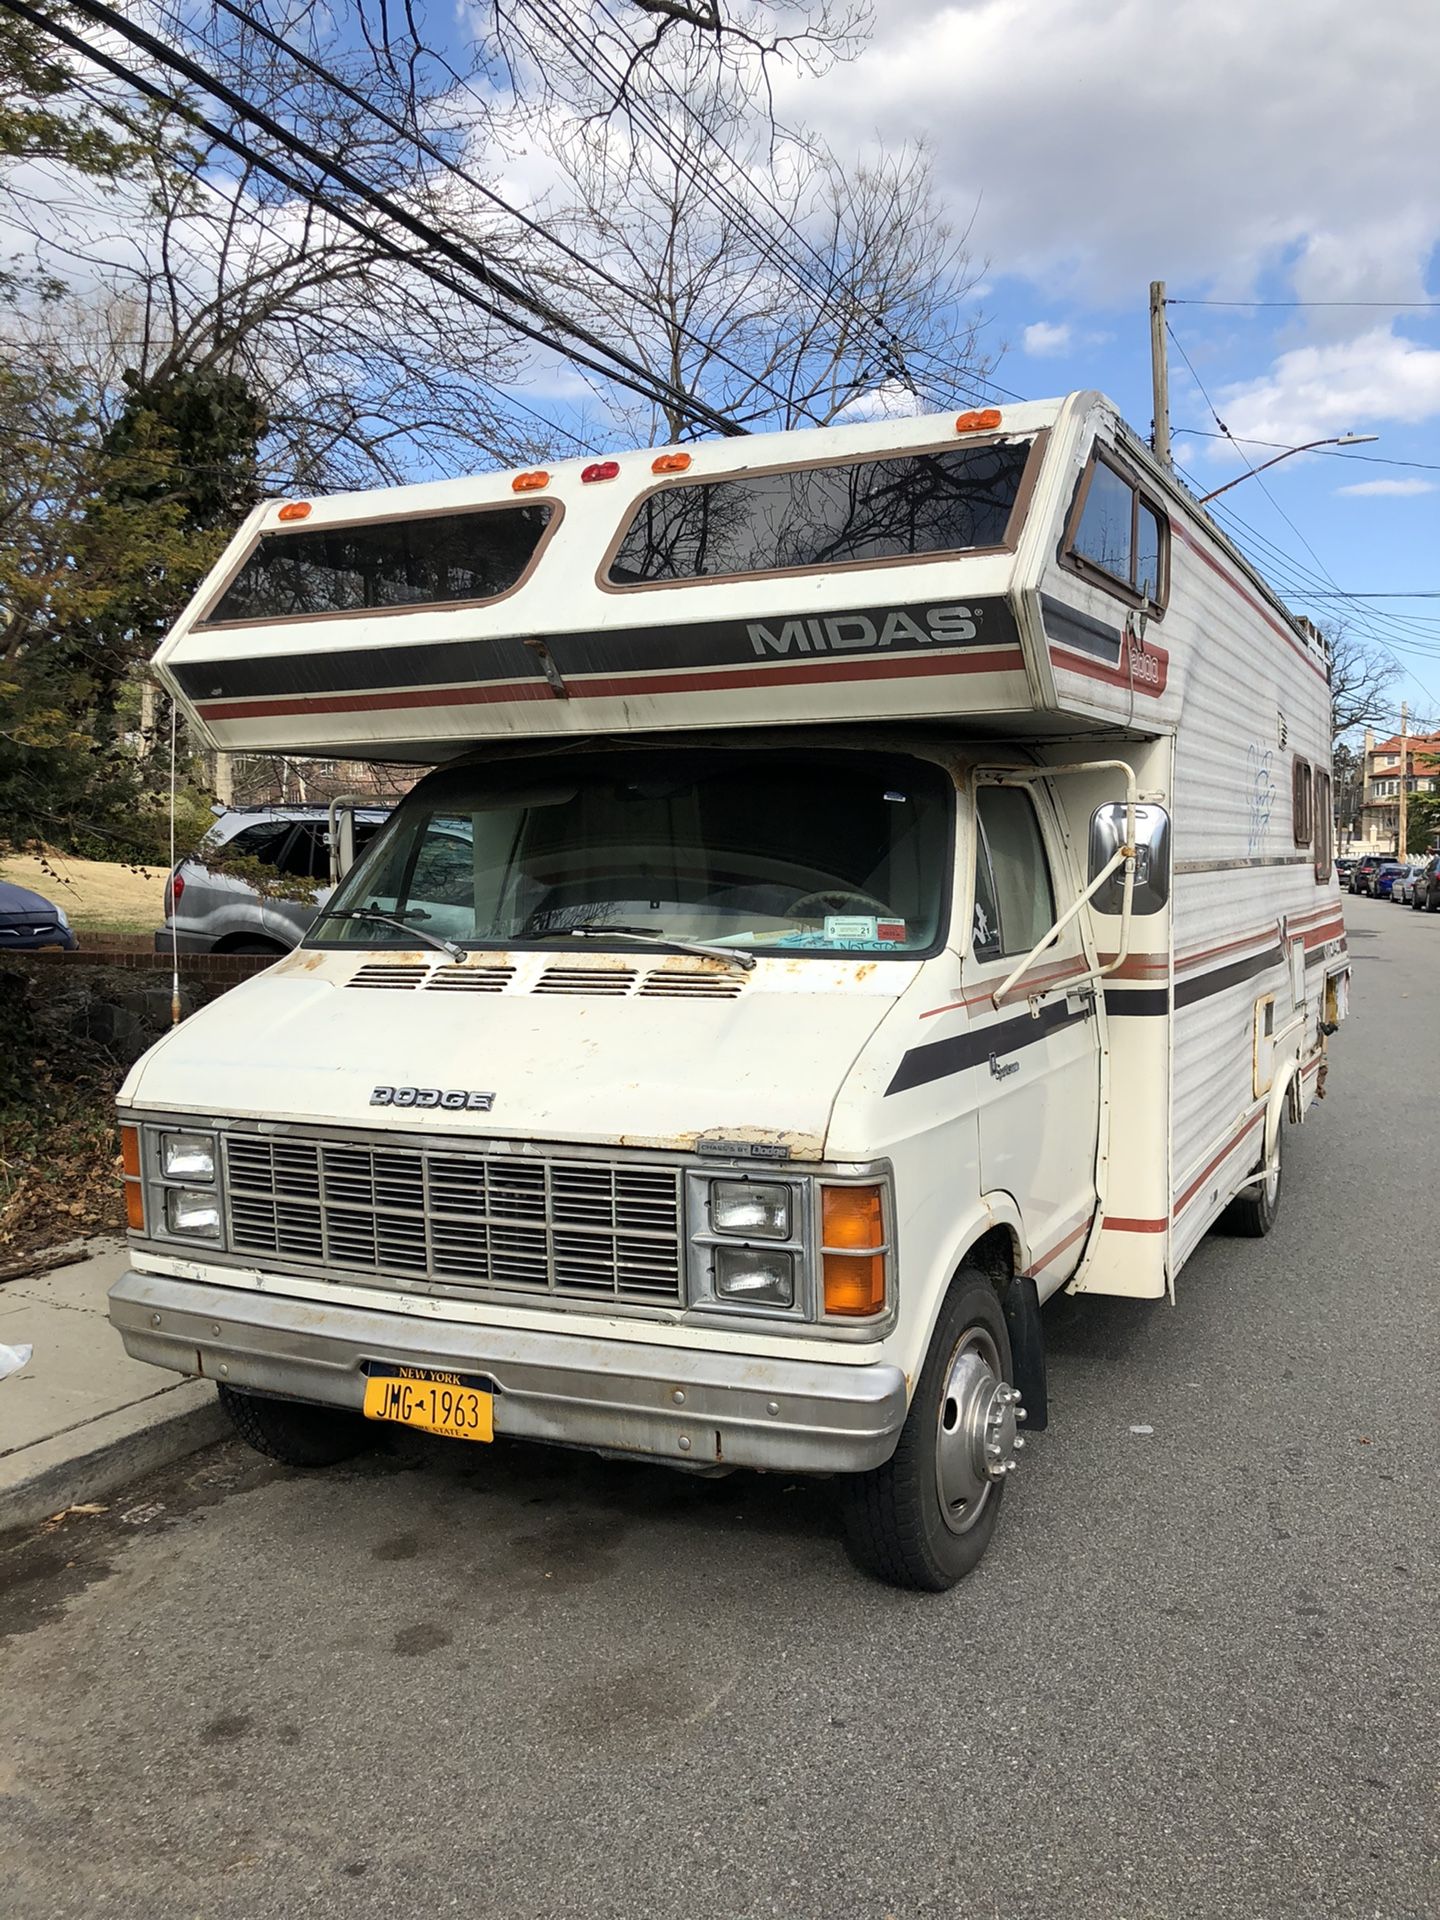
682 1405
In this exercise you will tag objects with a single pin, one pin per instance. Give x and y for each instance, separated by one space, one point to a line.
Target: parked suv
211 911
1367 868
1425 888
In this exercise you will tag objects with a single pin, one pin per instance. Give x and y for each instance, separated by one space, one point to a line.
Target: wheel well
994 1255
255 941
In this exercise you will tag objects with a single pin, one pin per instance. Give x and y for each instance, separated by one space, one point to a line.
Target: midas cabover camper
880 876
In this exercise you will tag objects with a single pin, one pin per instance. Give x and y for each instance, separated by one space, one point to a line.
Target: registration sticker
457 1406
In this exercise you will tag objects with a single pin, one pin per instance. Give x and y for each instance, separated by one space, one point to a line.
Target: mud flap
1027 1349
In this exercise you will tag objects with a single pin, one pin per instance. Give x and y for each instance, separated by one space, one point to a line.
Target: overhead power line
1388 305
432 151
1325 453
613 366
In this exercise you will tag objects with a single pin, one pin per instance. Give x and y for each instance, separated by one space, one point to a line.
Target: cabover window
1301 798
1118 536
433 559
850 514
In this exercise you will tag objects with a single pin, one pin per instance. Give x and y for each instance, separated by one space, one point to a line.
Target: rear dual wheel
924 1518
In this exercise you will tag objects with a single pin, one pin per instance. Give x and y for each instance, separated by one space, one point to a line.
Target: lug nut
1010 1465
1021 1416
1019 1441
992 1452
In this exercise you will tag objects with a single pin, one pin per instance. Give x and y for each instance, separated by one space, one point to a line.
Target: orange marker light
670 463
134 1188
294 510
984 421
854 1282
130 1152
529 482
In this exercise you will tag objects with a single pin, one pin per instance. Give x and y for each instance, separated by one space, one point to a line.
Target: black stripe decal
858 633
1070 628
939 1059
1148 1003
1187 992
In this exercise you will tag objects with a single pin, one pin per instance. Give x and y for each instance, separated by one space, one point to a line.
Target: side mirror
1152 857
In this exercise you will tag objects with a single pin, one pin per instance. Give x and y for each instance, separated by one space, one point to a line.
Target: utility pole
1159 374
1401 850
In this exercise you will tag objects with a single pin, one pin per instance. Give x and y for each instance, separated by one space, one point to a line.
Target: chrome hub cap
977 1438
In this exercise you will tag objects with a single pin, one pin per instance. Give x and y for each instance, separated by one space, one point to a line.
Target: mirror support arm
1024 776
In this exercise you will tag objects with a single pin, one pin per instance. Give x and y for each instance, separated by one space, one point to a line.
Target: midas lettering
852 632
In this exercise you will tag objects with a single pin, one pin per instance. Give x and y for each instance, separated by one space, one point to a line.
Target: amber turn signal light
529 482
294 510
853 1265
134 1190
981 422
670 463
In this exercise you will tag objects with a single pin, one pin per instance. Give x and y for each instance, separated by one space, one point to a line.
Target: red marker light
601 470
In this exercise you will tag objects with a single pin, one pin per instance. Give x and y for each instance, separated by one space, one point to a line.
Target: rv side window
1012 882
1300 801
1324 827
1119 535
437 559
959 500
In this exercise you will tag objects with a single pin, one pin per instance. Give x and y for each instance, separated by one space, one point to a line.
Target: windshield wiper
646 936
394 920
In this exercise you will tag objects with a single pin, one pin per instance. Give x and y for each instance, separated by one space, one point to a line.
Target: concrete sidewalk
83 1419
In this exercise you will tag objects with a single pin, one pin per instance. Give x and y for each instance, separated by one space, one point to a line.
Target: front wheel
294 1432
924 1518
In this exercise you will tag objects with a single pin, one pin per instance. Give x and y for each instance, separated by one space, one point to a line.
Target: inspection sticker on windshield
865 928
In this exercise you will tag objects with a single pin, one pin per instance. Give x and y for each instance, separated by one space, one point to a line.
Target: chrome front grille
579 1228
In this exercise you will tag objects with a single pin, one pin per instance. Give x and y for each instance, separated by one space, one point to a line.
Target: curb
107 1454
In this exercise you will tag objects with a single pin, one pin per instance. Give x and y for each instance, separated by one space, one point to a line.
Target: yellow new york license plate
445 1403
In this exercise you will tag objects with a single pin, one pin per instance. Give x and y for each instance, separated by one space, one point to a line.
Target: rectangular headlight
187 1156
750 1208
188 1210
759 1276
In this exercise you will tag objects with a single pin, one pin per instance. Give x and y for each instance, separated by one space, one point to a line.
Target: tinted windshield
797 853
862 510
433 559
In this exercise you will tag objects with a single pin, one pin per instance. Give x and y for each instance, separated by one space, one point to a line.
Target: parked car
1384 877
1344 867
208 910
29 921
1425 888
1402 883
1362 880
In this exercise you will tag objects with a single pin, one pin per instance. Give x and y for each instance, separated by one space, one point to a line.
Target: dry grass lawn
98 895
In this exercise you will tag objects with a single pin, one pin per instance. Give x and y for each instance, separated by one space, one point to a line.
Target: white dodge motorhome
881 876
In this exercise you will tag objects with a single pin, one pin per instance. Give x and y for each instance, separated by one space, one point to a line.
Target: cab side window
1014 893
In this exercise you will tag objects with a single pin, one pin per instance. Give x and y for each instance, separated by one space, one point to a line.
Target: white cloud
1043 338
1397 489
889 401
1342 386
1104 144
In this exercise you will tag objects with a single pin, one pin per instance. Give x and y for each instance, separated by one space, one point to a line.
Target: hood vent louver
396 977
460 979
669 983
610 982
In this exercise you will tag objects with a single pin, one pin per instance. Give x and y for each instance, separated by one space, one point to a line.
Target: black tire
895 1524
1251 1214
295 1434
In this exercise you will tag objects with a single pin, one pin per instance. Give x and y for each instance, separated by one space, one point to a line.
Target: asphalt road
1195 1676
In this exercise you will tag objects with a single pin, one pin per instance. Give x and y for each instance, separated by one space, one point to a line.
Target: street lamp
1343 440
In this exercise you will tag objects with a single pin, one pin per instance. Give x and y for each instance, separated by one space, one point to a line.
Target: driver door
1040 1110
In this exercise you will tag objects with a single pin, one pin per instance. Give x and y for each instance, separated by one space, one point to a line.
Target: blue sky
1284 152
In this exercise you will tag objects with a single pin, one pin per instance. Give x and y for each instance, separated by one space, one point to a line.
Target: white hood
298 1044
